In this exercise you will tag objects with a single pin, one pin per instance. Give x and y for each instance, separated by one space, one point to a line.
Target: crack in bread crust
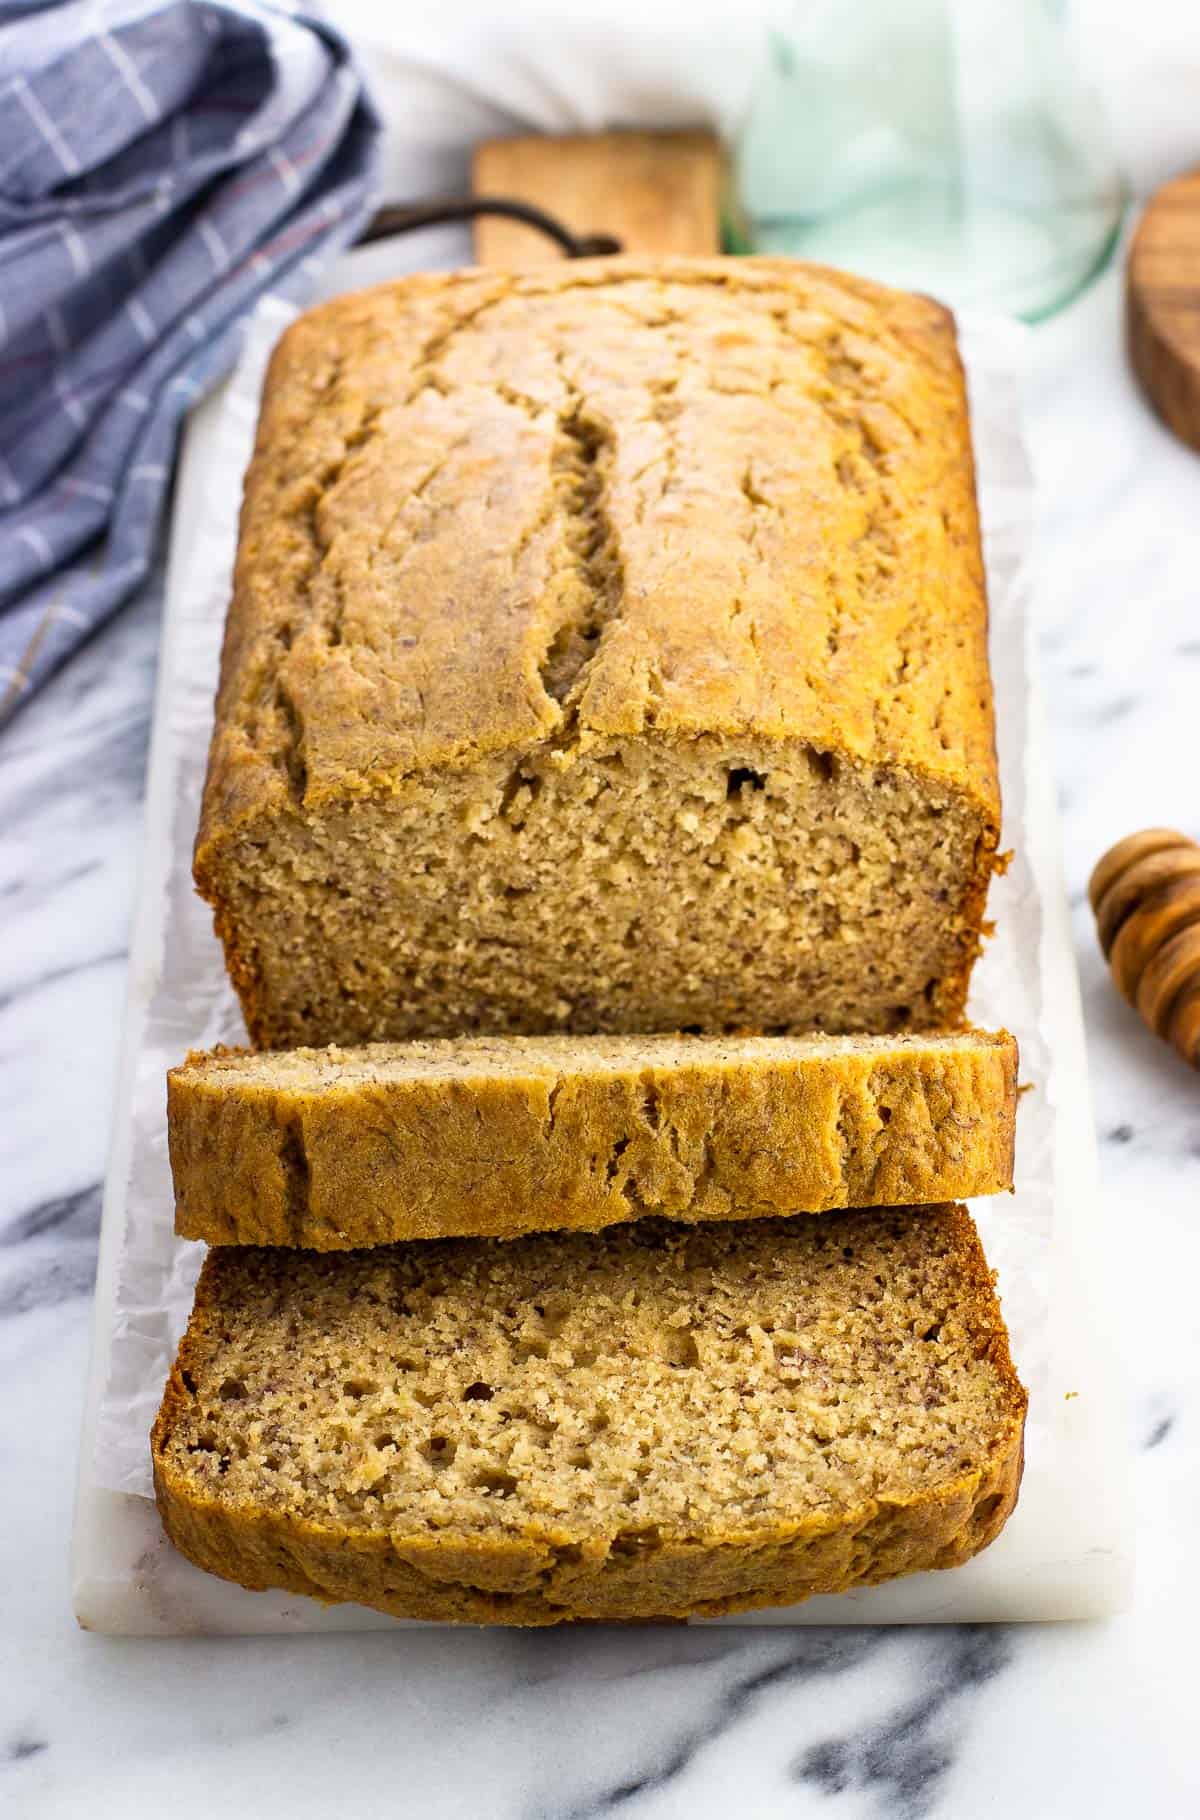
585 447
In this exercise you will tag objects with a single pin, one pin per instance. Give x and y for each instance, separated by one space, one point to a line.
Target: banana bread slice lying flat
336 1148
654 1421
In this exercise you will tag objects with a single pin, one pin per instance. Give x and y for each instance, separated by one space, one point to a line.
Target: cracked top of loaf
491 511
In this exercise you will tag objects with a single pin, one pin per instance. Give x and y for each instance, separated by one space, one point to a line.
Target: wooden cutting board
1163 305
655 192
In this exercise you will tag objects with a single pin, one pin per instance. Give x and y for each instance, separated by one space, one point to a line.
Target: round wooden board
1163 304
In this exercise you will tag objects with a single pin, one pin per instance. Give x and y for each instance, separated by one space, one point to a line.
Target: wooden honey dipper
1145 893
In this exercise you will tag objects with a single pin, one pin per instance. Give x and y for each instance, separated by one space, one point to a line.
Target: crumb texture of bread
494 1137
607 653
655 1421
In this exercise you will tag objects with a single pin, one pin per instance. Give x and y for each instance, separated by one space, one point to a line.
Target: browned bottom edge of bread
652 1422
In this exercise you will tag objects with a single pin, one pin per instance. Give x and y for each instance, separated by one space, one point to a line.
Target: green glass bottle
947 146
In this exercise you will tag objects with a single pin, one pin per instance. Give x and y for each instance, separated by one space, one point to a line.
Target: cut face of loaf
649 1422
336 1148
637 886
607 653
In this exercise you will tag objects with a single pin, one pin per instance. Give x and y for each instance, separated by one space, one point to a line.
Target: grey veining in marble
1045 1722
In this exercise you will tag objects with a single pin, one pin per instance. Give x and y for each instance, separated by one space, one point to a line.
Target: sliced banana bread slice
653 1421
336 1148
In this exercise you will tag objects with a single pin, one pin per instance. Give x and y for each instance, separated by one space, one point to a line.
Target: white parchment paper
180 998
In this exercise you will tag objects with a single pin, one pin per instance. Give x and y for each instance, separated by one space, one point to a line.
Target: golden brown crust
340 1148
553 1572
534 514
777 371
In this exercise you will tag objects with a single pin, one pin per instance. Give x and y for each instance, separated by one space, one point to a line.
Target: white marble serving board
1066 1553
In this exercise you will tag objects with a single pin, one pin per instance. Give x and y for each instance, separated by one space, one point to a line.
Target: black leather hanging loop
405 217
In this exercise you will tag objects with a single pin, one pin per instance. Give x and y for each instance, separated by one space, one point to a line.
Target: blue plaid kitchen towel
162 164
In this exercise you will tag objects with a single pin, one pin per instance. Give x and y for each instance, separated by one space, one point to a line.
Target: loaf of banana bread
608 652
652 1421
335 1148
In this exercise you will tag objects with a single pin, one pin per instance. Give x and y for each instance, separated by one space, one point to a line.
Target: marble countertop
1043 1722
